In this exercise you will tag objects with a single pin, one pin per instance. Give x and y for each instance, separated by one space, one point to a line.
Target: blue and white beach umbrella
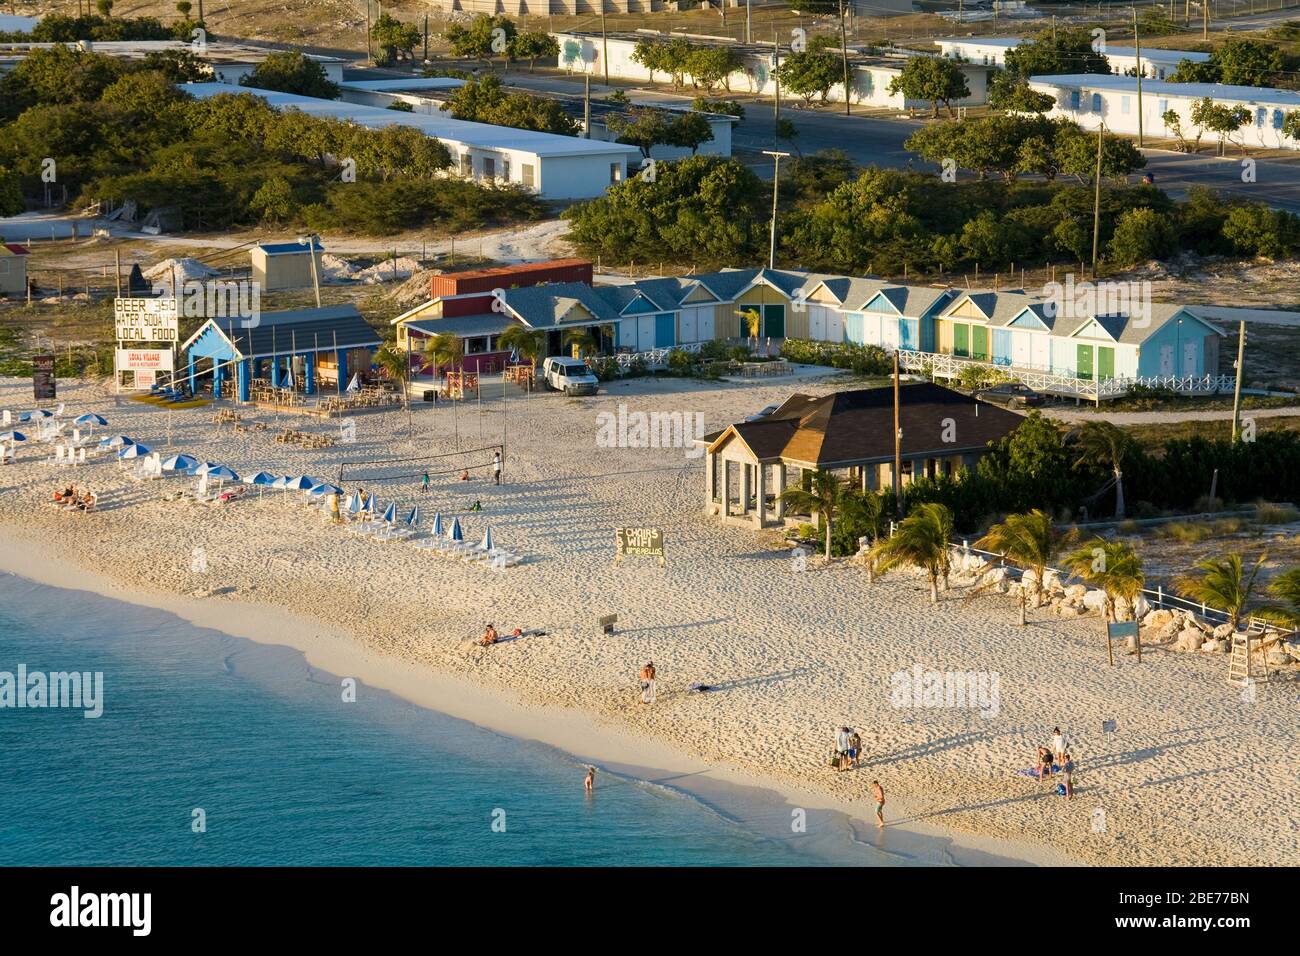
199 470
263 478
223 473
488 544
90 418
436 527
413 519
179 463
390 513
280 482
354 503
325 488
115 441
133 451
13 436
455 534
301 483
36 413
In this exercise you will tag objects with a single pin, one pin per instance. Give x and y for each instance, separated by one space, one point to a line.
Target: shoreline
570 730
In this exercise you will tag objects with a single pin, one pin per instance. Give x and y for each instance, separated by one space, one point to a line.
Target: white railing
940 365
654 358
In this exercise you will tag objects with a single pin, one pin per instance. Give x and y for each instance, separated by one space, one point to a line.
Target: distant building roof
481 135
12 249
854 427
289 248
1216 91
463 326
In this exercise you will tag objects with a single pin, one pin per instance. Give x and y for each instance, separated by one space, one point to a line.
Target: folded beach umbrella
354 385
301 483
487 544
413 519
90 418
13 436
390 513
179 463
455 534
280 482
354 503
436 527
114 441
133 451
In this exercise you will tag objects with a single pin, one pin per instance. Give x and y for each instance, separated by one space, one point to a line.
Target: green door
979 337
774 321
1105 363
1083 366
961 339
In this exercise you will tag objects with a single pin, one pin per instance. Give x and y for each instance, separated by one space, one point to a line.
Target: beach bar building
308 347
748 465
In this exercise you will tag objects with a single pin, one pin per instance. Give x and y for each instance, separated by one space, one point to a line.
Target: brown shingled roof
849 427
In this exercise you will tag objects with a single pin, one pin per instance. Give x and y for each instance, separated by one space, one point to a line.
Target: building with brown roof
749 464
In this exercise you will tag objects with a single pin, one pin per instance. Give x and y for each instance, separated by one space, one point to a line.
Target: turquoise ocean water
287 774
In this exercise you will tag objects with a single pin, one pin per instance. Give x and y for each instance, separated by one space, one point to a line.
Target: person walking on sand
424 483
648 683
878 794
496 466
1067 768
842 747
1059 745
855 749
590 783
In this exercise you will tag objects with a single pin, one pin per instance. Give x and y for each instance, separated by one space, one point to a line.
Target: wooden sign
607 623
1116 630
639 543
43 386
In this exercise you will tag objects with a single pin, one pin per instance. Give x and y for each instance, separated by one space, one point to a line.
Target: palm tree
1030 540
1287 587
1102 441
1224 584
444 350
921 541
394 363
825 496
866 510
1112 566
581 339
529 343
753 322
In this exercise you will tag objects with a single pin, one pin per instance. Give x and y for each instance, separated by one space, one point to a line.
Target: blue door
1001 346
665 331
853 331
909 334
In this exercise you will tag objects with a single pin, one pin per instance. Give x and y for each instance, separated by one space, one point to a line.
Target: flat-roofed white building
553 166
230 62
870 74
1091 99
1157 64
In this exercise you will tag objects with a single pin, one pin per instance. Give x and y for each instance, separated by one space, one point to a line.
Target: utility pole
586 106
844 56
1096 202
898 443
776 89
426 38
368 53
749 36
1205 19
604 43
117 271
1241 366
1137 43
776 188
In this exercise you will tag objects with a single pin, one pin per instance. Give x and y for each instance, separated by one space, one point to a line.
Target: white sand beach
1194 774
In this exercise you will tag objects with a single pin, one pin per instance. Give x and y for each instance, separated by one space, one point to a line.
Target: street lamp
777 156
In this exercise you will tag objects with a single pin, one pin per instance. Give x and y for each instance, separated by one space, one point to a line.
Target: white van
569 375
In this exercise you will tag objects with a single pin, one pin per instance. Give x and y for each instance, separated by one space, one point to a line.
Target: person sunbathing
65 494
489 637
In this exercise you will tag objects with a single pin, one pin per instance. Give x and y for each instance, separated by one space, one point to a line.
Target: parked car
569 375
763 414
1011 394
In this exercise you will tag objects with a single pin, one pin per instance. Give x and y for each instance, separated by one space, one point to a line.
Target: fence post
1160 596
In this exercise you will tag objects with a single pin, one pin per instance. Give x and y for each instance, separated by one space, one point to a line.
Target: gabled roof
1112 325
1136 329
1038 313
296 330
912 301
464 326
545 306
13 249
851 427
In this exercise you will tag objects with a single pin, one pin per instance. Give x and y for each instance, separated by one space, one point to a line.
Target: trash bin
430 395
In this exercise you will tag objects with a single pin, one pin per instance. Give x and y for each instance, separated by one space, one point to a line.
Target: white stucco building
871 75
554 166
1157 64
1091 99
